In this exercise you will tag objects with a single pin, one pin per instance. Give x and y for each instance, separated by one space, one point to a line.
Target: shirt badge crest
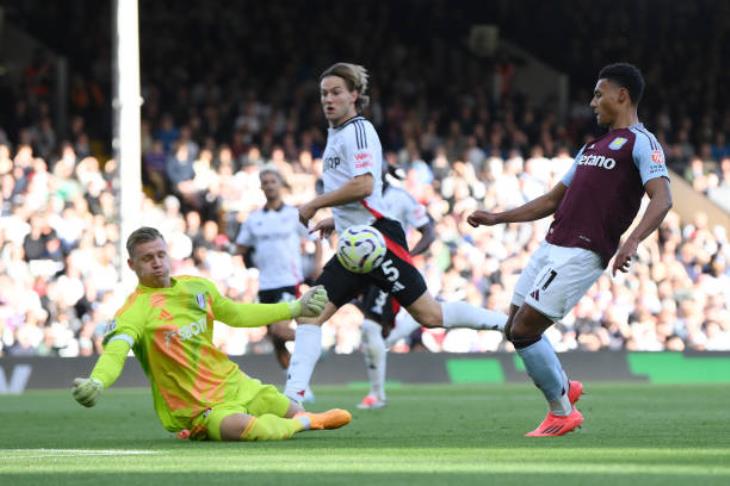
617 143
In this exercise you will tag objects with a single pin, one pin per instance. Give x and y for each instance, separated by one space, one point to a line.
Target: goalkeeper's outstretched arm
108 367
235 314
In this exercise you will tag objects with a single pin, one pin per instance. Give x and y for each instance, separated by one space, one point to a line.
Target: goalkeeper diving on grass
197 391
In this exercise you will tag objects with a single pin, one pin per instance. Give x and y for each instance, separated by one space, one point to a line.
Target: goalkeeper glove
311 304
87 391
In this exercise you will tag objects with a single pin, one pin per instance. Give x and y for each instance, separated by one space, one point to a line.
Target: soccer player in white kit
378 307
274 235
352 163
594 204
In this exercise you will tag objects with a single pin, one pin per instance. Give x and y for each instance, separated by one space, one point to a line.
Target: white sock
373 348
544 367
461 314
307 348
405 324
561 406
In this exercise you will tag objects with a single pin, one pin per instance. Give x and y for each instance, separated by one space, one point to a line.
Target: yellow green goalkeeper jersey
171 333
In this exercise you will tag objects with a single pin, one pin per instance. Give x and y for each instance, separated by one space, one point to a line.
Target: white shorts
556 278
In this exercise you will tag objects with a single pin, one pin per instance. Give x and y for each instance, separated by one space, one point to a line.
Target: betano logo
598 161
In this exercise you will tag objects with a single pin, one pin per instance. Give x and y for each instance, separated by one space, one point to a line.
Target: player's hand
622 262
325 227
306 212
479 218
311 304
87 391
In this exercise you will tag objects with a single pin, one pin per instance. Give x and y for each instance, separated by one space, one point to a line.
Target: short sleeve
568 177
245 235
649 158
303 231
416 213
359 150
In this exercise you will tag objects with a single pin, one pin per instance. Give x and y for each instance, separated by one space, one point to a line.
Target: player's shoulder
191 282
289 209
358 131
399 193
643 137
134 301
256 214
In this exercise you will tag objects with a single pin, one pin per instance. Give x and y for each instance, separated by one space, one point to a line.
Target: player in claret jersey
595 202
197 391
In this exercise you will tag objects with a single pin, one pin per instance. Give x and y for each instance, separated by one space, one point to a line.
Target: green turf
450 434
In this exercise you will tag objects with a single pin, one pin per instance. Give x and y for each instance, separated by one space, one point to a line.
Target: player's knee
233 426
520 335
430 319
278 337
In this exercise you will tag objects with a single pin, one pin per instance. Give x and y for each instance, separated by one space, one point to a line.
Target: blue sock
544 368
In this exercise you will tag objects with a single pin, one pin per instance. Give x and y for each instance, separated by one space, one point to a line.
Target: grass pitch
449 434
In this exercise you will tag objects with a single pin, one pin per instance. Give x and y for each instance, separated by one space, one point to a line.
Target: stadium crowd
209 127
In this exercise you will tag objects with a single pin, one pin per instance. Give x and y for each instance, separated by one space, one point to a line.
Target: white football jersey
404 208
353 149
276 238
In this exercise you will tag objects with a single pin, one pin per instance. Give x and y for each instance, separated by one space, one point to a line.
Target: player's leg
268 426
280 333
431 313
263 413
240 426
307 349
342 286
377 307
375 355
399 276
269 401
403 327
552 283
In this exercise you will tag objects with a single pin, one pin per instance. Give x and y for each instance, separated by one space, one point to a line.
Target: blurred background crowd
229 89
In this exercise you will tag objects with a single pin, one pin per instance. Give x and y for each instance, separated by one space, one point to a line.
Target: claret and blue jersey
605 187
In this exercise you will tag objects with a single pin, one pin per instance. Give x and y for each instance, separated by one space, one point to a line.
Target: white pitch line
30 453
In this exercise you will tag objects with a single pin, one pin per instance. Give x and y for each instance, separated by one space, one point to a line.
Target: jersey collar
278 210
144 288
348 121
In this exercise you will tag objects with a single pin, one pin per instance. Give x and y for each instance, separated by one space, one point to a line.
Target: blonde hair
356 79
145 234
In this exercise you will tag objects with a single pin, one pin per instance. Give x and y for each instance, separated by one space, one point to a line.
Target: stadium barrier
32 373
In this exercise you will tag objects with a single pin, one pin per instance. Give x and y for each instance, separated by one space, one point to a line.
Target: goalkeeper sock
271 427
307 348
461 314
544 368
375 356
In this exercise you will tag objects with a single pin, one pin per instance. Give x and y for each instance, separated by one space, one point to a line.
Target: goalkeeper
197 391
